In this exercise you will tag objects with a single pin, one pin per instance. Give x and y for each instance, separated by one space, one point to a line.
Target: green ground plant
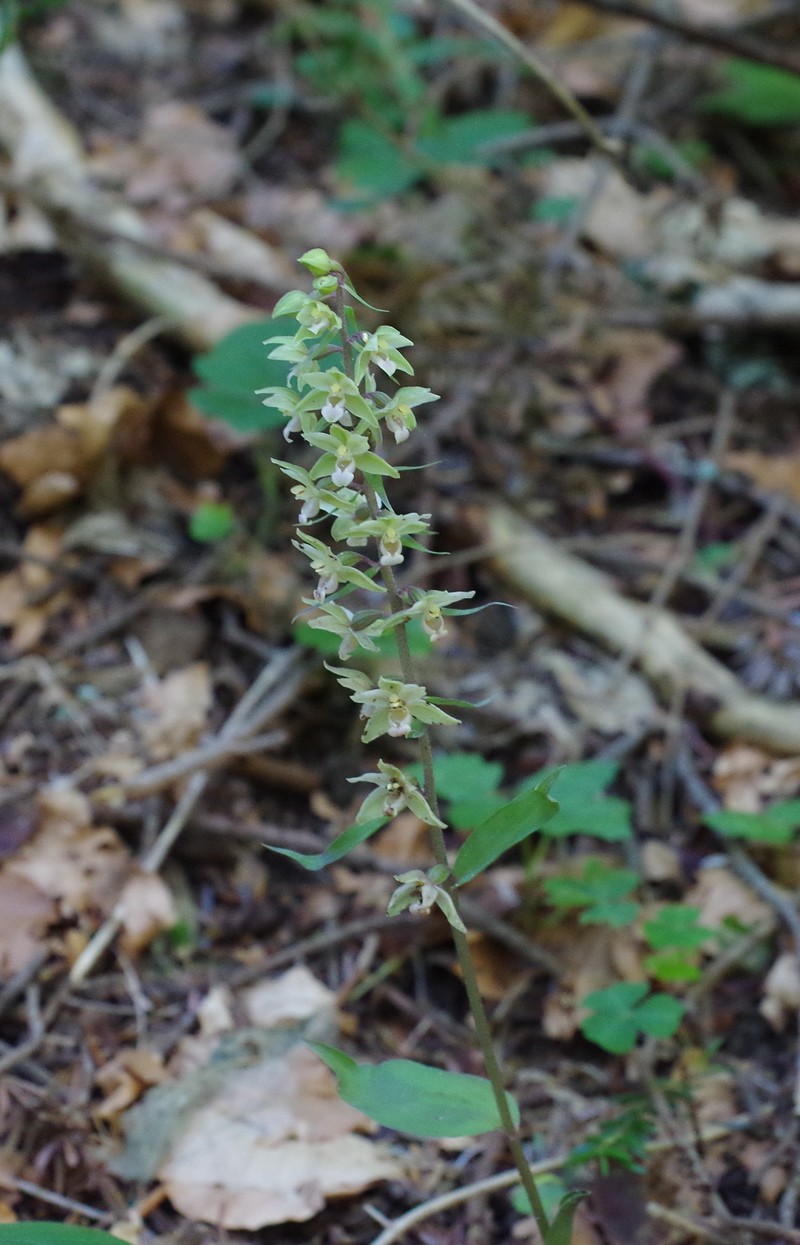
343 414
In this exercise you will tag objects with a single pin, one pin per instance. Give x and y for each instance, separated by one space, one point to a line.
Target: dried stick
720 38
540 570
507 1179
49 165
480 17
267 696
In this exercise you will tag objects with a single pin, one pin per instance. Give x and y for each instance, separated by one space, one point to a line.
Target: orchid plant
334 403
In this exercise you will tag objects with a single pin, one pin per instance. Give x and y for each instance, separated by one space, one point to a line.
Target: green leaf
583 806
673 965
52 1234
756 94
676 926
466 775
414 1098
601 888
466 139
233 370
373 163
341 845
554 209
660 1015
211 522
560 1230
511 824
776 825
622 1011
551 1190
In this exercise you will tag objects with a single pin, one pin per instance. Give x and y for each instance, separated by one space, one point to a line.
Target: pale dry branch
101 231
540 570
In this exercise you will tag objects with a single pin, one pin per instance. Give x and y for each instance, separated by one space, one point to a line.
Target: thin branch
719 38
479 17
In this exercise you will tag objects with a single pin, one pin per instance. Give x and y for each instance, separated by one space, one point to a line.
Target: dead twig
539 569
268 695
720 38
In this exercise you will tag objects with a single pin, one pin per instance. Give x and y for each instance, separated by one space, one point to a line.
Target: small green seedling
776 826
212 522
622 1011
676 939
601 891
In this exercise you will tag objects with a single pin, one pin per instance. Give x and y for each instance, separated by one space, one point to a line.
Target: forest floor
616 455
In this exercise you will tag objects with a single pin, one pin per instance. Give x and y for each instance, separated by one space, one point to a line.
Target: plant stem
469 974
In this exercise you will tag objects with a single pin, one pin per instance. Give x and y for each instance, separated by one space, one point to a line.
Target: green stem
469 974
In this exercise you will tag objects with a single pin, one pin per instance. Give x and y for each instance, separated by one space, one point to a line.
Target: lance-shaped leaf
414 1098
511 824
341 845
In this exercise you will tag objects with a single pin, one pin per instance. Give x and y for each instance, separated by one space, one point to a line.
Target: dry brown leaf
53 464
125 1078
777 473
25 913
295 996
719 894
147 910
176 709
498 971
79 865
272 1147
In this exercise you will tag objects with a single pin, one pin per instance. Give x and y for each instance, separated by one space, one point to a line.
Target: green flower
346 453
429 607
305 490
333 569
395 791
388 529
398 414
381 350
392 707
354 630
419 891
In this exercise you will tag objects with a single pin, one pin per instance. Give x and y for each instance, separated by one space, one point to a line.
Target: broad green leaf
341 845
776 825
660 1015
676 926
600 887
622 1011
52 1234
466 775
756 94
583 806
464 139
372 163
233 370
467 814
672 965
511 824
616 913
414 1098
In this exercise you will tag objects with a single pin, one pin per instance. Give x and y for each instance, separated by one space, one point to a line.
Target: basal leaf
414 1098
339 847
659 1015
53 1234
584 808
465 775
